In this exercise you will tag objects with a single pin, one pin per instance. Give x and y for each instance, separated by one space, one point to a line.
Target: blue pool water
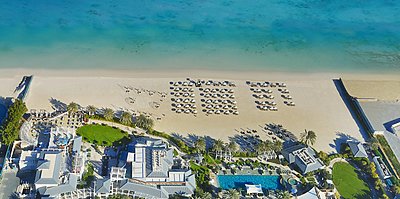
285 35
239 181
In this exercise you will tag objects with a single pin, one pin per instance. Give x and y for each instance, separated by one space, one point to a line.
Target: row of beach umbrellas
265 84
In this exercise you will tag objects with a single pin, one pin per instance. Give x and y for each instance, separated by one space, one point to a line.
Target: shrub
10 129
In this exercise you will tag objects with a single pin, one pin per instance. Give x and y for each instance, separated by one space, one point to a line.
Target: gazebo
254 189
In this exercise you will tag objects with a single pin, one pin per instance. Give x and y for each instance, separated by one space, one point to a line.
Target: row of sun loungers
183 97
220 111
265 84
218 98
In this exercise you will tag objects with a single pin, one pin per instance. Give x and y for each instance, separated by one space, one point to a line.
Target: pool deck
249 171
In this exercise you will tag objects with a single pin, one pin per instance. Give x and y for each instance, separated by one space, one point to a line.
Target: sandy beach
318 105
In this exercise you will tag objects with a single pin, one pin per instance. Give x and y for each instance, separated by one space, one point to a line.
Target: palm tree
234 194
277 146
200 194
91 109
374 143
308 137
233 146
72 108
397 189
144 122
108 114
126 118
200 145
283 195
264 146
218 146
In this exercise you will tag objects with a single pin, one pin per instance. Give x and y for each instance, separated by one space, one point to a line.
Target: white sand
318 104
388 90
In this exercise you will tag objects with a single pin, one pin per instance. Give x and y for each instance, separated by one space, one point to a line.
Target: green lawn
102 135
202 174
347 182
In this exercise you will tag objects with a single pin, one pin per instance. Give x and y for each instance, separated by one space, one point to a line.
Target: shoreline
198 73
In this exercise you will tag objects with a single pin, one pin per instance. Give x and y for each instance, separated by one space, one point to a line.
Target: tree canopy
72 108
126 118
308 137
144 122
10 129
200 145
218 145
108 114
91 109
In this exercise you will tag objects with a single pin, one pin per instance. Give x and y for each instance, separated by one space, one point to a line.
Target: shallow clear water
283 35
239 181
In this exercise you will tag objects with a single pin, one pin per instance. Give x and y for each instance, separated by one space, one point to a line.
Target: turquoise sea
279 35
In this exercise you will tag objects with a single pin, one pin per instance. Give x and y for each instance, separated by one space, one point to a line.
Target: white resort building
303 157
58 164
147 170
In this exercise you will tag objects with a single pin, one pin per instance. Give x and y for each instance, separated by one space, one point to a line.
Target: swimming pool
238 181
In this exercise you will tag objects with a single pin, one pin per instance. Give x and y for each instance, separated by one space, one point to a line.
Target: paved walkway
269 163
333 161
9 183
